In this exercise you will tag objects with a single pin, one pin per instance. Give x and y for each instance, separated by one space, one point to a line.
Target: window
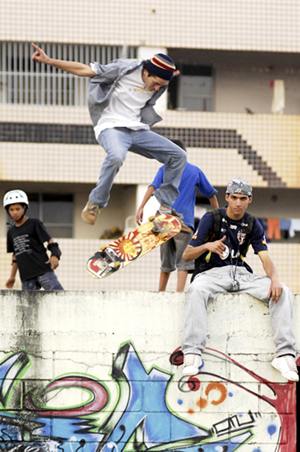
55 211
24 82
193 90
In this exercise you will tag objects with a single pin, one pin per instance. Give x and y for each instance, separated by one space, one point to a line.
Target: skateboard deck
120 252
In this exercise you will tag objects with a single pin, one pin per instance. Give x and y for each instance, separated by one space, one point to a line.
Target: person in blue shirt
219 248
192 179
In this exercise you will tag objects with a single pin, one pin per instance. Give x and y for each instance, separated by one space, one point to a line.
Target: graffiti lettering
141 417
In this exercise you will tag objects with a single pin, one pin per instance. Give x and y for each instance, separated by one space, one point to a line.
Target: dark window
193 89
55 211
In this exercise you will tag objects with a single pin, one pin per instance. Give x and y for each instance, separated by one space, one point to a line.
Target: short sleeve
158 179
204 186
204 230
9 243
257 238
41 232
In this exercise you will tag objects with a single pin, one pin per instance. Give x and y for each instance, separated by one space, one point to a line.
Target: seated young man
219 248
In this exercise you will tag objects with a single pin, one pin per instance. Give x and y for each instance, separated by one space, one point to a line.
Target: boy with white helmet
25 239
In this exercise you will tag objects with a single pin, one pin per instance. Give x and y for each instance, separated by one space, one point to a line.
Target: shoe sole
91 222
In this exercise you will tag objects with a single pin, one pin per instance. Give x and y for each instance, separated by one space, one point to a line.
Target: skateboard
120 252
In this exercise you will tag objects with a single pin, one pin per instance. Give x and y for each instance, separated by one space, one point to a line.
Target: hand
39 55
275 290
139 215
10 283
54 262
217 246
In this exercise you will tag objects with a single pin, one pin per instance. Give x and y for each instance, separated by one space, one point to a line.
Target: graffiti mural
226 407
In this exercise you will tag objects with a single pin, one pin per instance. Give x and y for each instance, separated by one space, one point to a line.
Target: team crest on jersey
241 236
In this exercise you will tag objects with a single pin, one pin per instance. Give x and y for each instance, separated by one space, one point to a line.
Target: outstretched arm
73 67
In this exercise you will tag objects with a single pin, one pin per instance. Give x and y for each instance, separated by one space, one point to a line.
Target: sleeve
9 243
158 179
205 187
205 227
258 239
111 70
41 232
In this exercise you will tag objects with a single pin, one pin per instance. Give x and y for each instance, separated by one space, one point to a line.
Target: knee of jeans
116 161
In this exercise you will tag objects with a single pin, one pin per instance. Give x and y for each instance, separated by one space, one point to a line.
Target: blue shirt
234 230
191 179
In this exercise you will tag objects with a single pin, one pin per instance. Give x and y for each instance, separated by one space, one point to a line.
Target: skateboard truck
113 258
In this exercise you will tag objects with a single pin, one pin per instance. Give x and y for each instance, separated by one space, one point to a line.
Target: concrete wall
100 371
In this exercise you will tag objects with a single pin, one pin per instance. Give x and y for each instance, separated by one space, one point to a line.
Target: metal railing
23 81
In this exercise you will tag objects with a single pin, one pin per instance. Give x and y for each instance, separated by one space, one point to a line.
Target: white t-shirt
125 104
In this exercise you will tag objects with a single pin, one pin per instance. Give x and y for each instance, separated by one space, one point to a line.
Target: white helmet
15 197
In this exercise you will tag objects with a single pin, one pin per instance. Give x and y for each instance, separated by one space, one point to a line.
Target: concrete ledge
103 370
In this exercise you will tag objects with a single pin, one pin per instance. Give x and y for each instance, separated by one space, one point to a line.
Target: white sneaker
286 365
192 364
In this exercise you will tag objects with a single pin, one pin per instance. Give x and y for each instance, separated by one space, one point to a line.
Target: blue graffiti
141 417
145 416
272 429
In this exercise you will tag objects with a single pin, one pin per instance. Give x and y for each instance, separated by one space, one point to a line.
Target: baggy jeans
118 141
216 281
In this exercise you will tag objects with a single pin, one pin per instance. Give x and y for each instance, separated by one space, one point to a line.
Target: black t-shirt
235 239
27 243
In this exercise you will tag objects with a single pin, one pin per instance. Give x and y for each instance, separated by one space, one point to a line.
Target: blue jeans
218 280
47 281
118 141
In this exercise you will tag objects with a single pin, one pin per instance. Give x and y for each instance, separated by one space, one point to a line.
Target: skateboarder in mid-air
121 99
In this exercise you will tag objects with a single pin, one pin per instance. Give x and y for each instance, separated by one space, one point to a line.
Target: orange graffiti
201 403
219 387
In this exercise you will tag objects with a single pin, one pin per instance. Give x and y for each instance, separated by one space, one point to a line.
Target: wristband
54 249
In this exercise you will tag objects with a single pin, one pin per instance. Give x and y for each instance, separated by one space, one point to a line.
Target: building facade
236 106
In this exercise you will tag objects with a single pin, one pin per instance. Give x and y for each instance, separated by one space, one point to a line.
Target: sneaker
90 212
286 365
165 210
169 211
192 364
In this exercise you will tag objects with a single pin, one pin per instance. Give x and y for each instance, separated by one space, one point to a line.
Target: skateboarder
25 239
121 99
192 179
221 243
